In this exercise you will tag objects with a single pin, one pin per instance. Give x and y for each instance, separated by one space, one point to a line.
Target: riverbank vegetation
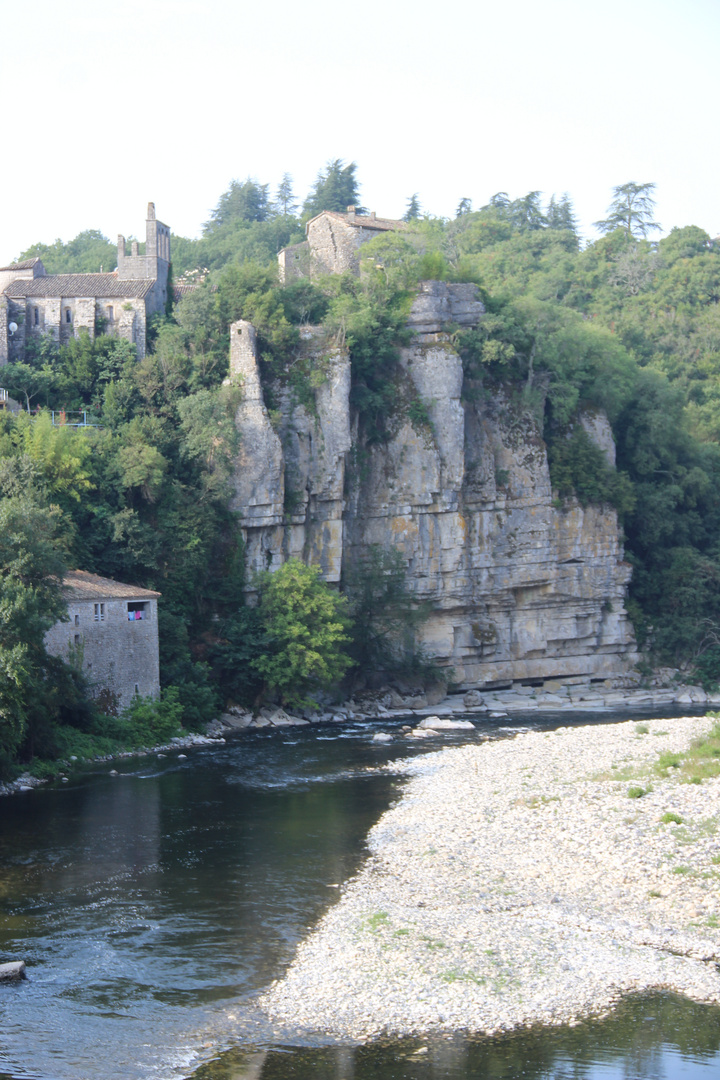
625 324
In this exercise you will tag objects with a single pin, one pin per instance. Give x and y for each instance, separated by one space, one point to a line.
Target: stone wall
520 589
116 654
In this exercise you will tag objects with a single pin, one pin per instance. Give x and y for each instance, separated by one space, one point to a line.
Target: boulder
382 737
435 694
472 699
12 972
236 718
444 723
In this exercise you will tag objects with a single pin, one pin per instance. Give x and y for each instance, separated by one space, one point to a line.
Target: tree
386 614
464 207
306 624
335 188
285 198
526 213
31 601
631 209
88 253
560 214
247 201
412 212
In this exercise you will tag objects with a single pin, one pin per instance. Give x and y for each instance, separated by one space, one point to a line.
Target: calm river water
152 905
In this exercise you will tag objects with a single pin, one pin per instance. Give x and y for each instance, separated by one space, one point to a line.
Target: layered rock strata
521 588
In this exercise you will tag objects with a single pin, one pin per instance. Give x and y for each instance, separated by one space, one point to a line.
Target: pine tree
413 211
335 188
631 209
285 199
560 214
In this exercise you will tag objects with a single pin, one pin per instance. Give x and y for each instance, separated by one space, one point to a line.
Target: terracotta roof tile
70 285
81 585
362 221
26 265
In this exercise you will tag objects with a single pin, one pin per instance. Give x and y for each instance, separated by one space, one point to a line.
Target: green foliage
88 253
148 721
413 211
306 626
31 568
578 469
385 614
335 188
631 210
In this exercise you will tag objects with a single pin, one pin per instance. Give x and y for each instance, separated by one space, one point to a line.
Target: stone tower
153 265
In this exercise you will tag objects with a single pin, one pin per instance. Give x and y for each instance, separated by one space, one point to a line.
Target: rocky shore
550 697
518 882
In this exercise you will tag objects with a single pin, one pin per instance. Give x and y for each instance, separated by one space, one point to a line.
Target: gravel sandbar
515 883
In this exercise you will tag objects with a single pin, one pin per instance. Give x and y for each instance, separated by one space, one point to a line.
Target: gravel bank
517 883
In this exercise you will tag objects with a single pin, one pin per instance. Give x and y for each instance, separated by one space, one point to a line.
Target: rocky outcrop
521 588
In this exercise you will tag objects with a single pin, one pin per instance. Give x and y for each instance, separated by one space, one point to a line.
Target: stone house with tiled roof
33 302
334 239
112 633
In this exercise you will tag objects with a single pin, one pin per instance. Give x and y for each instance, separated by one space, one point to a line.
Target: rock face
521 589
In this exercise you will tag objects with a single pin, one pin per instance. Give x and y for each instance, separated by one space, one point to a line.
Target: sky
108 106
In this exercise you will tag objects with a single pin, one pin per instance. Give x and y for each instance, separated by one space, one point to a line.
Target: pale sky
108 106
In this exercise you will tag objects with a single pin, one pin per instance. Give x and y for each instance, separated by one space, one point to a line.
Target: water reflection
654 1037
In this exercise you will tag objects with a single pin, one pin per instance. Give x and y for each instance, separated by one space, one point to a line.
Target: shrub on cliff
306 624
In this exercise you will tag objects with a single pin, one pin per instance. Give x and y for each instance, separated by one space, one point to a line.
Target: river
152 905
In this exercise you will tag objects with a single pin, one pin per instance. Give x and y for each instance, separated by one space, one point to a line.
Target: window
68 316
110 311
36 316
77 639
137 689
137 610
99 613
77 620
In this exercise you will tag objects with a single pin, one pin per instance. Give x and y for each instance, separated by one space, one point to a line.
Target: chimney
351 209
372 215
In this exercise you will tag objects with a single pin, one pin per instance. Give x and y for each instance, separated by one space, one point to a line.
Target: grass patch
671 818
637 792
642 729
378 920
682 870
654 894
434 943
454 975
700 762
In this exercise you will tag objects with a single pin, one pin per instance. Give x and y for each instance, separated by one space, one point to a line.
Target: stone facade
112 633
333 243
61 305
520 589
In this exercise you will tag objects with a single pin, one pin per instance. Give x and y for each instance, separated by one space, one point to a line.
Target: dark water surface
150 906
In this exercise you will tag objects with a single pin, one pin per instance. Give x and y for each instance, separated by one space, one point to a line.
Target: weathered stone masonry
61 305
113 632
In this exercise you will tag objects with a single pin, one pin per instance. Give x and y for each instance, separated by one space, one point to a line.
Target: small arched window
36 316
68 316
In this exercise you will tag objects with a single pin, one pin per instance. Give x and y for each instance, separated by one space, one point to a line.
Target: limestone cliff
521 589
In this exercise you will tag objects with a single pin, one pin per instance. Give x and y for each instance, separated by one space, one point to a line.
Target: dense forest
626 323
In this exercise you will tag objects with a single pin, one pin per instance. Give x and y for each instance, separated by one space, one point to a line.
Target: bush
149 721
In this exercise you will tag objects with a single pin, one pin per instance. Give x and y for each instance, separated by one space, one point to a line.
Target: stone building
333 243
33 302
112 632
